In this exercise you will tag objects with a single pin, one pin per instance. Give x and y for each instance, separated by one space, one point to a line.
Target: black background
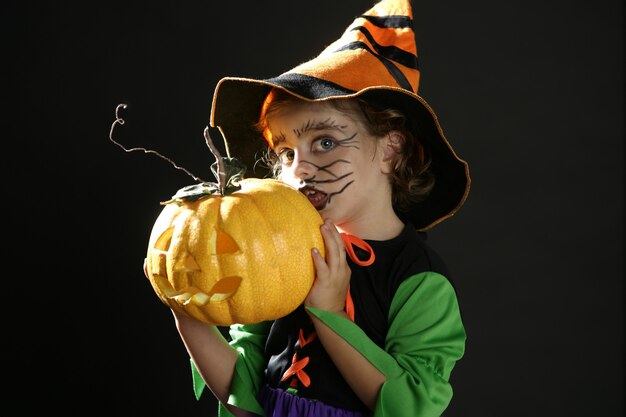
529 93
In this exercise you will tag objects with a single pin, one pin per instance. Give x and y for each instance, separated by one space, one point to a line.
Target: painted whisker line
328 171
330 196
314 181
324 168
348 142
332 163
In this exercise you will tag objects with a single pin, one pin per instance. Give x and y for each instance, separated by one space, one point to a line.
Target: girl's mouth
316 197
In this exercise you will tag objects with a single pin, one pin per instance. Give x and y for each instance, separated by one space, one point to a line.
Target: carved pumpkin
242 258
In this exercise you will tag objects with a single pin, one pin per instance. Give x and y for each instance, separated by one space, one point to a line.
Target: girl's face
328 155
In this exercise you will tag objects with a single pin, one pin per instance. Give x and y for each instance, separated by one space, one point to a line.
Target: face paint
328 155
330 179
312 185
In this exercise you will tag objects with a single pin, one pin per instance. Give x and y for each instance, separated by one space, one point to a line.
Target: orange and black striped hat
376 60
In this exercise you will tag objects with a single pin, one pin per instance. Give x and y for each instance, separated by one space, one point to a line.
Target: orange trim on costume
296 369
349 305
350 240
309 339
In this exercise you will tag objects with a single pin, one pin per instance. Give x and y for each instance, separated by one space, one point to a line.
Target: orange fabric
349 305
305 341
391 8
402 38
350 240
344 68
296 369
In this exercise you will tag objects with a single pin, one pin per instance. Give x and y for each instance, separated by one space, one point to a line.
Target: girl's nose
302 168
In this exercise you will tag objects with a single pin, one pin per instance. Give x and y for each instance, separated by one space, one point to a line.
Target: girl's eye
323 144
285 156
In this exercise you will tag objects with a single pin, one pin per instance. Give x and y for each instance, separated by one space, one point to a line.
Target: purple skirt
279 403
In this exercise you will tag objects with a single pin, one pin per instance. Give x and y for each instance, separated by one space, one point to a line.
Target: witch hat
375 59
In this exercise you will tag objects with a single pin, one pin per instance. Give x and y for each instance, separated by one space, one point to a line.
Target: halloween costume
406 320
407 323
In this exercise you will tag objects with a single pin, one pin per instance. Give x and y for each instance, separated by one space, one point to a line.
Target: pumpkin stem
221 171
228 171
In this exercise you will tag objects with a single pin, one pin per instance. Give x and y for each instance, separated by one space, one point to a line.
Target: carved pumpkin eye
159 252
222 243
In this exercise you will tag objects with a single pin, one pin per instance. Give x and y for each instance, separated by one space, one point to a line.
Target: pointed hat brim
376 60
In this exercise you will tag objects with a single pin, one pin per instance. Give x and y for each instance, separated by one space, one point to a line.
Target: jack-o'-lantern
234 254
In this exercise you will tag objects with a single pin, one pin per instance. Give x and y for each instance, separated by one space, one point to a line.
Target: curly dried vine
119 121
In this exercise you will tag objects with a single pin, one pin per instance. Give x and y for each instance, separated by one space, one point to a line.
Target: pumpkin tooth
159 262
165 286
183 298
200 299
220 296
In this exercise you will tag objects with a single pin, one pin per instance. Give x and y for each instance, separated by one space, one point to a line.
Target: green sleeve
249 341
426 338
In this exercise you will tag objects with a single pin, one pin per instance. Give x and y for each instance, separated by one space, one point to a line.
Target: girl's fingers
334 244
320 264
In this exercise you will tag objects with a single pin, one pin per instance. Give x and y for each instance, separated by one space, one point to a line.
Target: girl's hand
332 278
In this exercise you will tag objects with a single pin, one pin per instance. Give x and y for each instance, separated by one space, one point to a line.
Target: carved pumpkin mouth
222 290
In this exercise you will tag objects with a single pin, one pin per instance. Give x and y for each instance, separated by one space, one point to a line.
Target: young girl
380 330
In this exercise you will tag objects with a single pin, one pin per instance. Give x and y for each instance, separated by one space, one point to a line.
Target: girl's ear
393 147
